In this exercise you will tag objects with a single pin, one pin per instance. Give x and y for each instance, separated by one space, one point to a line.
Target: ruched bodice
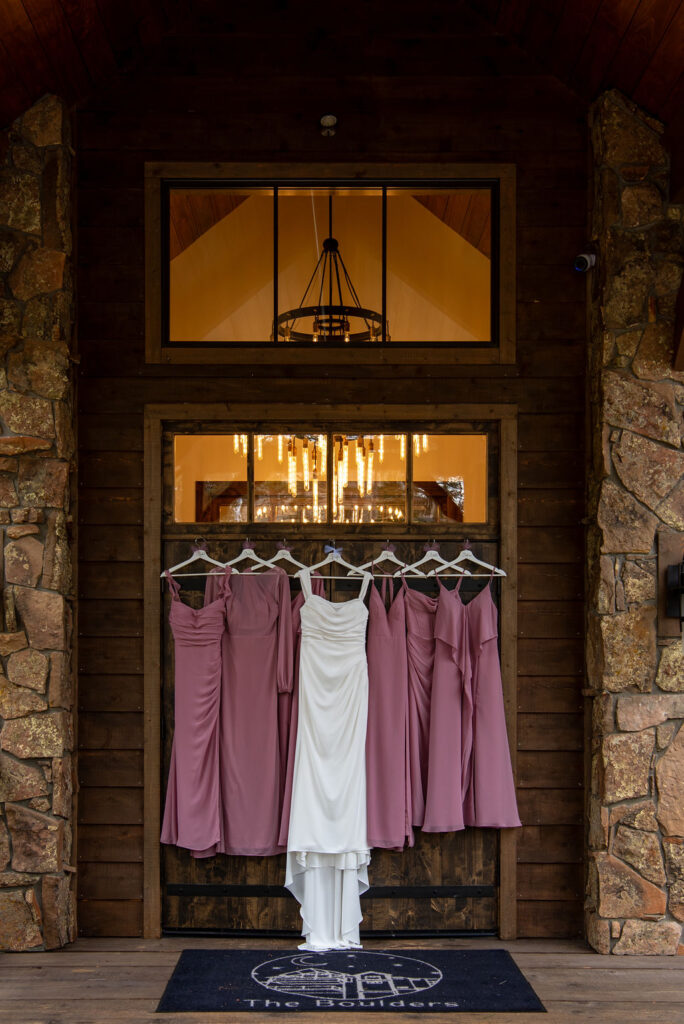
341 623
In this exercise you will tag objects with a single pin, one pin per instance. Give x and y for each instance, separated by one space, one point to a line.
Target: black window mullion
250 477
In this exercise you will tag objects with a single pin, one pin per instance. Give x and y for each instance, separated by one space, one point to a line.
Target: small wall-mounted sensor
584 262
328 124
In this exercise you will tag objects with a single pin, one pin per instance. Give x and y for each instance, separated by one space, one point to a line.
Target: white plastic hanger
198 553
467 555
250 553
386 555
335 555
431 555
285 555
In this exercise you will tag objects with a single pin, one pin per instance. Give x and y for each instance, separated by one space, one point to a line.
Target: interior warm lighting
280 447
236 444
244 441
305 463
381 447
425 442
260 447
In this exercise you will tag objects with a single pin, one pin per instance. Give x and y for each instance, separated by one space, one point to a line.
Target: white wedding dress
327 848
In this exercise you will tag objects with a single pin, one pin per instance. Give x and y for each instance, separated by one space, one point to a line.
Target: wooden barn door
446 883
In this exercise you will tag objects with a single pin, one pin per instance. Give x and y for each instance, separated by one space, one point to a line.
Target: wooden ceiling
74 47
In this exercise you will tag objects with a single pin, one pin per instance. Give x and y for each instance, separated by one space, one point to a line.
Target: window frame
160 177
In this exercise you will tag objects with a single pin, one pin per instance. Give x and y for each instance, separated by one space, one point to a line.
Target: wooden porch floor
98 981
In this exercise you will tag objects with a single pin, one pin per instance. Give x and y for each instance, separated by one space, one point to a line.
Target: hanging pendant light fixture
334 320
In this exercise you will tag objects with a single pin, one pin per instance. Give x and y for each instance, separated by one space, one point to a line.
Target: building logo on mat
350 979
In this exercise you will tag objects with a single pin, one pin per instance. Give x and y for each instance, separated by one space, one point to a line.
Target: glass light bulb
425 442
402 446
260 447
280 447
381 447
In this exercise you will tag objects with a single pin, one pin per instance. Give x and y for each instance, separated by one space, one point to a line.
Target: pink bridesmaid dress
450 715
257 666
420 645
490 800
192 812
288 708
388 791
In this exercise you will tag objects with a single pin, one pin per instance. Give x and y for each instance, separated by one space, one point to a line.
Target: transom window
394 479
343 265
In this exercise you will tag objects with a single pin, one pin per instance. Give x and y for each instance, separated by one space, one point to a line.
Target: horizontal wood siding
441 115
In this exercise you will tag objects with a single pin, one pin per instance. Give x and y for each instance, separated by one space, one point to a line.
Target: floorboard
119 981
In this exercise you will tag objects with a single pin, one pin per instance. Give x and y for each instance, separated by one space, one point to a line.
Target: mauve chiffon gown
450 715
257 665
490 800
420 644
388 791
192 812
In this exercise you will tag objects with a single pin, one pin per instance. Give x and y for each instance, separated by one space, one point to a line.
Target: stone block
16 701
43 482
58 911
641 850
649 470
43 735
11 248
57 563
626 766
16 532
671 668
626 294
60 689
10 319
36 840
4 846
26 415
40 318
20 780
64 429
598 932
639 580
670 783
646 408
629 649
43 123
17 444
62 786
14 879
641 205
623 135
626 525
20 202
26 157
8 492
43 615
24 561
42 367
635 713
671 509
39 270
27 515
10 642
606 590
638 815
20 917
665 734
624 893
648 938
28 668
668 278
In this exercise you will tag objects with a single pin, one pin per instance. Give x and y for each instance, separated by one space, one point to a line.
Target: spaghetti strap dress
449 714
420 644
288 709
387 775
327 850
192 811
490 800
257 665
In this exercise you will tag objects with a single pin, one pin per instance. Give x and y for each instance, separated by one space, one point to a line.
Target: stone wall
36 459
635 888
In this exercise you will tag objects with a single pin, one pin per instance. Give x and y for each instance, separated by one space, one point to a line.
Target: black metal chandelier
335 322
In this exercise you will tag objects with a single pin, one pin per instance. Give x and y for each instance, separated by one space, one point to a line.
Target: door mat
407 981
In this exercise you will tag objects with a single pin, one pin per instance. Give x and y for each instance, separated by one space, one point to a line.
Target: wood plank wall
485 104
